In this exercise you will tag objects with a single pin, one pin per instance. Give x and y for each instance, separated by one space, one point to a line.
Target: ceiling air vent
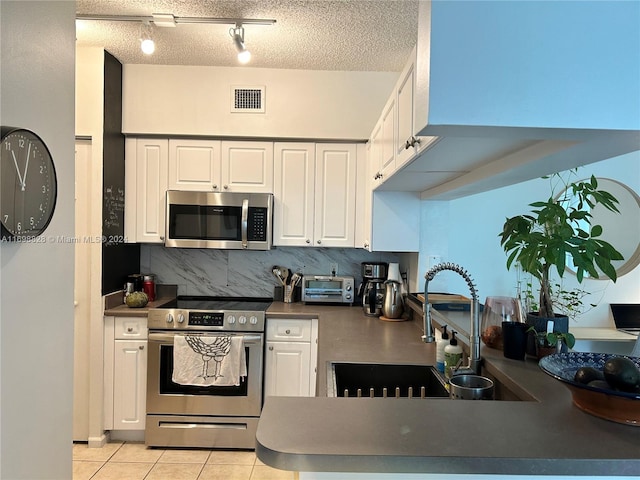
247 99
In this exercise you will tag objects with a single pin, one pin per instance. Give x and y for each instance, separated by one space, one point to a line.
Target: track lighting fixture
237 34
168 20
147 45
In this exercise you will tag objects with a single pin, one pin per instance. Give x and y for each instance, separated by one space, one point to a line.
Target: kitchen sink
384 380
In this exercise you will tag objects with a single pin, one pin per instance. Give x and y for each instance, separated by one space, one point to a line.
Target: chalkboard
113 214
119 259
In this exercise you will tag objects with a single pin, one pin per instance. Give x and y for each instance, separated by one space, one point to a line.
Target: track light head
237 34
147 45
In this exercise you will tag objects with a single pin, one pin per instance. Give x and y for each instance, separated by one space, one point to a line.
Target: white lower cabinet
125 373
291 357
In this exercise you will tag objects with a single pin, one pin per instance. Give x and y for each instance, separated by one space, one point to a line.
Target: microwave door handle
245 222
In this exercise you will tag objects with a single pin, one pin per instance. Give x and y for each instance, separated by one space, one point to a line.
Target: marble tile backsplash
247 273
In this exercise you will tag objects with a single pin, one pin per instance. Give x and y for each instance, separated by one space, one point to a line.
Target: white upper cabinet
315 194
405 140
227 166
151 168
247 167
335 195
492 122
194 165
294 176
388 139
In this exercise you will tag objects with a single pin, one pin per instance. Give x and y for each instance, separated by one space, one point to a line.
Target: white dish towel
211 360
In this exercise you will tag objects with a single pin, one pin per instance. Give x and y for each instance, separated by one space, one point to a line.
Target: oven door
165 397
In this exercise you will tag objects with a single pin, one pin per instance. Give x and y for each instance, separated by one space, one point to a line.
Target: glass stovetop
258 304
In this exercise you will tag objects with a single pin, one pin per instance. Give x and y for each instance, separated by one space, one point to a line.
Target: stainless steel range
210 416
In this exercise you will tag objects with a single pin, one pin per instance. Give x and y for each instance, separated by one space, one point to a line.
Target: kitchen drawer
289 330
130 328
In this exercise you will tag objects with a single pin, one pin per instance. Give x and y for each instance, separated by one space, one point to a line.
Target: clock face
28 185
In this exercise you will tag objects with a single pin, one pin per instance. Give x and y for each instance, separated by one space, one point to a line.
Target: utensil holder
470 387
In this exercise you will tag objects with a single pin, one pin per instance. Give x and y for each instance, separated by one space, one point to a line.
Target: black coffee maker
372 288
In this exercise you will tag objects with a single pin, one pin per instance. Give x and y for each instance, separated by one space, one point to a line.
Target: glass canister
149 286
497 310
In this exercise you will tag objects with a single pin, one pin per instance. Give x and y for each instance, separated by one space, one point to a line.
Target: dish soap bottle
440 345
452 355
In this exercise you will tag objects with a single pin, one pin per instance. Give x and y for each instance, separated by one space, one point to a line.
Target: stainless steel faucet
475 360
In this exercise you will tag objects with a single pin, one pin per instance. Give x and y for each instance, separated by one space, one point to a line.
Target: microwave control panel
257 228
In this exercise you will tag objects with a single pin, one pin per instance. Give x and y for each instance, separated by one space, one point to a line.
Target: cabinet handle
308 241
141 347
412 142
162 237
319 242
226 187
287 331
129 329
271 348
214 186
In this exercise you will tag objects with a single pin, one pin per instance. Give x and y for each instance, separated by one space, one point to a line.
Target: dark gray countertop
546 435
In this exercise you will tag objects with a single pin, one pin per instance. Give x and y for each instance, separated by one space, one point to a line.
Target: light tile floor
134 461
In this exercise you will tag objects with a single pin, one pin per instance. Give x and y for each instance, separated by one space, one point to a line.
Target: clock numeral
21 142
44 189
19 227
42 169
41 208
6 218
32 221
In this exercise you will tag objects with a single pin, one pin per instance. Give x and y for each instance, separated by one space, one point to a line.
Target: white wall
190 100
89 102
489 81
36 295
465 231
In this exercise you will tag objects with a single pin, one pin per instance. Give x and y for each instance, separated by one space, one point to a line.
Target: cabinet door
194 165
247 167
405 150
287 371
388 139
335 195
129 384
294 173
151 186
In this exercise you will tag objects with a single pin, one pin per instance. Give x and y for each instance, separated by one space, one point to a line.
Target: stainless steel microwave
226 220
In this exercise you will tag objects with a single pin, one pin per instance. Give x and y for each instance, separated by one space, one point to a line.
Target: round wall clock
28 184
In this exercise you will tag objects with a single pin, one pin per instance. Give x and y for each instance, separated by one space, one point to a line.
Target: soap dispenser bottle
452 355
443 342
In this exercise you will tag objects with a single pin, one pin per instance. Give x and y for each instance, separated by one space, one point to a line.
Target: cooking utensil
289 289
278 272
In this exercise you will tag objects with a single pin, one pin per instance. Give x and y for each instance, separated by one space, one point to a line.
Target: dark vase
560 325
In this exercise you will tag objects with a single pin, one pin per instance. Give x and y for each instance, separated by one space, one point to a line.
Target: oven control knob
231 319
169 318
181 318
242 320
253 320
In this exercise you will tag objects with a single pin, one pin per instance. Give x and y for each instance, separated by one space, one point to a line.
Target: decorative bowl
614 405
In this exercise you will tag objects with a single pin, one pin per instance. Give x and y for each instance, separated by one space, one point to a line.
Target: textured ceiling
360 35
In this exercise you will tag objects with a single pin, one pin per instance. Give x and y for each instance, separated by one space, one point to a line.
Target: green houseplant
554 232
558 228
547 343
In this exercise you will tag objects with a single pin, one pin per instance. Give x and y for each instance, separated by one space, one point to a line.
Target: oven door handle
245 223
168 337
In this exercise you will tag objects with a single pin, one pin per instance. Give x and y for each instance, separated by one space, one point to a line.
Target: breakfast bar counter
541 433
